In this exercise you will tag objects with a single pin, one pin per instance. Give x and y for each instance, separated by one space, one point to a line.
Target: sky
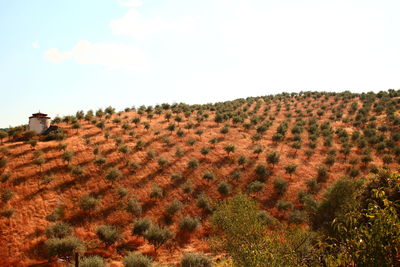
60 56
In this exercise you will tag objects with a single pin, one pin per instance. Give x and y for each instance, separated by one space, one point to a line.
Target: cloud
112 55
36 44
55 55
131 3
134 25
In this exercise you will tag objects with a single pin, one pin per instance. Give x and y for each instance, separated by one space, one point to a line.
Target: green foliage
273 158
88 203
193 163
156 192
63 247
174 207
137 260
59 230
113 174
134 207
141 225
92 261
243 234
284 205
57 214
337 196
195 260
281 185
158 236
208 175
368 234
188 224
108 234
255 186
224 188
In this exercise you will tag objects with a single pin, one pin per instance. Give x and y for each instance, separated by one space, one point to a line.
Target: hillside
158 155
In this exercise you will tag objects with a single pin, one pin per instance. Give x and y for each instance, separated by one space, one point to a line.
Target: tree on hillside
67 156
273 158
158 236
3 134
290 169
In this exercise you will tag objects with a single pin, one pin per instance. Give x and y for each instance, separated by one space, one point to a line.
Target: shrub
6 195
280 185
195 260
108 234
188 224
262 172
204 202
193 163
162 162
156 192
113 174
134 207
187 187
174 207
3 163
175 177
236 175
63 247
273 158
322 173
7 212
255 186
224 188
312 185
92 261
59 230
137 260
267 219
290 169
284 205
208 175
88 203
297 217
158 236
122 192
141 225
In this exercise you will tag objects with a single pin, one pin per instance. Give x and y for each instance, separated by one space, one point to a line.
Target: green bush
134 207
59 230
92 261
174 207
108 234
63 247
193 163
255 187
88 203
208 175
195 260
204 202
137 260
297 217
284 205
224 188
158 236
141 225
113 174
156 192
189 224
280 185
58 213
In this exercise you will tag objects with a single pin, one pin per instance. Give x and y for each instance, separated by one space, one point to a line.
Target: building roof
39 115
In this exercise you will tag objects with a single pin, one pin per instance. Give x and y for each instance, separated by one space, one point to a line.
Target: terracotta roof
39 115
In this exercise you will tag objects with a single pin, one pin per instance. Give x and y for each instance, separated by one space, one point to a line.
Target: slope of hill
136 163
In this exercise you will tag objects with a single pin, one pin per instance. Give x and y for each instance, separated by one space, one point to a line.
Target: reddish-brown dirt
22 235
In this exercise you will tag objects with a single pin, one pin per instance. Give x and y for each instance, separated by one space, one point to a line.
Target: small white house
39 122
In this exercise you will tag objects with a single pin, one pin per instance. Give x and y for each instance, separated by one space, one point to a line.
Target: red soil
22 234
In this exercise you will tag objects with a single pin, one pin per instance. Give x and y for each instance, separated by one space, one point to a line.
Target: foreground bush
195 260
92 261
141 225
137 260
189 224
59 230
158 236
63 247
108 234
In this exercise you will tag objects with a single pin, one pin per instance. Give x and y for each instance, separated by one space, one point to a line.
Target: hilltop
170 161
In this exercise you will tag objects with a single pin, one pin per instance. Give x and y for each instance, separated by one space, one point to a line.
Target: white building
39 122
